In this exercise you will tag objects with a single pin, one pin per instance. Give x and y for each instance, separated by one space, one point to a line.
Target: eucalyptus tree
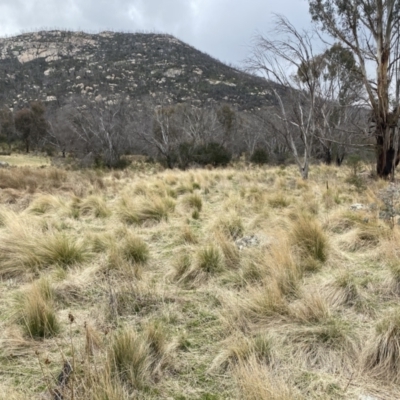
338 114
370 29
288 60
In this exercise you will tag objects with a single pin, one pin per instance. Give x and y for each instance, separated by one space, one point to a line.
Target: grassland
242 283
24 160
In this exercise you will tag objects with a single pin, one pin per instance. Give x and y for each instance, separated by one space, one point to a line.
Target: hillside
52 65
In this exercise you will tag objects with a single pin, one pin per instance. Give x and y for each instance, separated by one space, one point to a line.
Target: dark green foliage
31 124
212 153
260 156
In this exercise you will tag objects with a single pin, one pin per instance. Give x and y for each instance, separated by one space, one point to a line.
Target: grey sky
221 28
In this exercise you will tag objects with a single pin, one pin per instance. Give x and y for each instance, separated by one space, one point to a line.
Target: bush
260 156
212 153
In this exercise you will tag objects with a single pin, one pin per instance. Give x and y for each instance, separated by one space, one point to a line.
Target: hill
53 65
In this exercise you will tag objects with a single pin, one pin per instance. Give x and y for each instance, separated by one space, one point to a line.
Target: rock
357 206
247 241
4 164
367 397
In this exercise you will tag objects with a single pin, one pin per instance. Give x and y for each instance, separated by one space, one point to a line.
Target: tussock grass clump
105 388
278 201
149 208
100 242
136 358
230 251
239 349
188 236
35 311
181 266
329 343
311 308
58 248
134 297
390 256
7 216
256 381
230 225
368 236
129 359
117 261
194 201
283 267
46 203
209 260
135 249
345 290
343 221
264 302
155 334
311 241
254 268
25 249
276 263
94 206
383 353
128 256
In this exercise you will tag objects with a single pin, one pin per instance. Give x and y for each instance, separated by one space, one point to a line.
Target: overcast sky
221 28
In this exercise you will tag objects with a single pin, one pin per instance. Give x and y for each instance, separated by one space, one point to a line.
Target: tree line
179 135
334 91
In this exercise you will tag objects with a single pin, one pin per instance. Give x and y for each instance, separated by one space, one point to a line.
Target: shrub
260 156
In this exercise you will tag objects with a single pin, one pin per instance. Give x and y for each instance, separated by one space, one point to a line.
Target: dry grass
26 249
311 241
383 352
35 311
238 283
256 381
145 209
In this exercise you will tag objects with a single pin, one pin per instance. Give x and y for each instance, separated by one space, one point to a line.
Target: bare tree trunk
388 155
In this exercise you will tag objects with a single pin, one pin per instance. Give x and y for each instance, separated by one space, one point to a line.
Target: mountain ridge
51 66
